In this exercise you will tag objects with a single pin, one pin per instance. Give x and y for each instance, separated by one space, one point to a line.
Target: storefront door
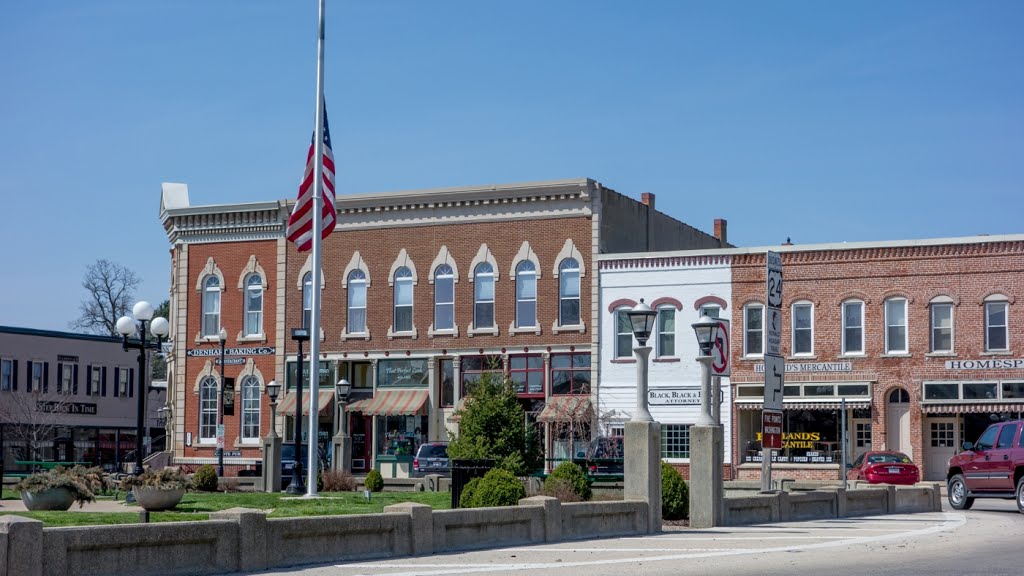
940 446
897 426
362 449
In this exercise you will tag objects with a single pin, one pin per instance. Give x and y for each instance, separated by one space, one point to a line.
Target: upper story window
527 374
483 296
211 306
570 373
941 327
753 330
208 409
569 292
124 381
254 305
250 409
94 386
526 295
710 310
403 300
896 325
474 368
65 380
356 302
444 298
623 334
853 327
666 328
6 374
35 383
996 324
803 328
307 299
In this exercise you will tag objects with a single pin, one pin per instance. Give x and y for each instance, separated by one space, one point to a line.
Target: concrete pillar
552 515
341 443
706 446
421 528
21 542
252 537
643 469
272 456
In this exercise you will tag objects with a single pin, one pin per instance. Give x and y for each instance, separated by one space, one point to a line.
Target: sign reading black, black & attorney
406 373
685 396
66 408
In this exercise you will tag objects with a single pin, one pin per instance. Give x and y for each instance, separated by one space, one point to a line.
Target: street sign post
774 283
774 379
771 429
774 368
773 339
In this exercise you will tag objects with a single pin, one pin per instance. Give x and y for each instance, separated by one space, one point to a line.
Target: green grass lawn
198 505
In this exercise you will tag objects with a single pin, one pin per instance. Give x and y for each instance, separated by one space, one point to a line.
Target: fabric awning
971 408
829 405
392 402
565 408
325 400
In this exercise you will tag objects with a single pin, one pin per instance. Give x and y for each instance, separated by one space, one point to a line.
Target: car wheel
1020 495
957 492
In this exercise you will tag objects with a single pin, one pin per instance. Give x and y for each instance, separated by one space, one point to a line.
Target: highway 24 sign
774 279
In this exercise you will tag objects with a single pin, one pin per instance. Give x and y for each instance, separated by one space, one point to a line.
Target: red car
884 468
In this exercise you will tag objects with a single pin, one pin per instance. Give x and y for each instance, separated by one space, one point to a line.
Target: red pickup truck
993 467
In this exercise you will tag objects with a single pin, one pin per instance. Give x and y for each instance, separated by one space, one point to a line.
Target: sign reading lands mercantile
674 396
252 351
812 367
986 364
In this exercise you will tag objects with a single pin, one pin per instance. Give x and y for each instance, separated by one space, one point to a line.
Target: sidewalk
100 505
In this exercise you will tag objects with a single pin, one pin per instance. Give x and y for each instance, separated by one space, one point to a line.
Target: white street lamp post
641 317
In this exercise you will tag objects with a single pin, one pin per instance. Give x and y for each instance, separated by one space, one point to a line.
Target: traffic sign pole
774 369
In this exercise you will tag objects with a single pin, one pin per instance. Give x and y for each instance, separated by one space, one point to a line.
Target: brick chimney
647 199
721 230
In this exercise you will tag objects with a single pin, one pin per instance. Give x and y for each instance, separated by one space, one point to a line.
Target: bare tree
31 419
111 288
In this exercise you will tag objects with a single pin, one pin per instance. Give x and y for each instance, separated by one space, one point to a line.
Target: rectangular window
862 433
803 329
941 391
446 376
570 373
473 368
124 378
444 302
853 328
67 372
35 383
942 328
96 381
483 313
995 326
403 305
753 333
1013 389
527 373
623 335
617 431
980 391
711 311
666 332
526 300
895 326
6 374
675 440
942 434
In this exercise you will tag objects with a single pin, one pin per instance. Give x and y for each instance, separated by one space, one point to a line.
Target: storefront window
808 436
361 375
400 435
473 369
406 373
446 376
327 379
527 373
570 373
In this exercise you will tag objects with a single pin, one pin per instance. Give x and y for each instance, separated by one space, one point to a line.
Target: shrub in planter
338 481
205 479
158 489
675 494
574 475
58 488
374 481
497 488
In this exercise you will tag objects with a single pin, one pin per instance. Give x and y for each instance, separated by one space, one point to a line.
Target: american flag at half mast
300 223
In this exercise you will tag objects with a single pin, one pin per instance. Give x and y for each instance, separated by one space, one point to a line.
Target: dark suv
431 458
993 467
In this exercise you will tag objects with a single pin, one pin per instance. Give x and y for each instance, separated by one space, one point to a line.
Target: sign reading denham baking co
251 351
688 396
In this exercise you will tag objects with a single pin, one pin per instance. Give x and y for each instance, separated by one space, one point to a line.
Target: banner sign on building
66 408
408 373
812 367
249 351
986 364
688 396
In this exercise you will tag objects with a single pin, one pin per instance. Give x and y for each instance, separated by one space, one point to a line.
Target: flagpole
314 324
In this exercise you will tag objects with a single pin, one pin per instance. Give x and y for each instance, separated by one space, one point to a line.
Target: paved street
984 540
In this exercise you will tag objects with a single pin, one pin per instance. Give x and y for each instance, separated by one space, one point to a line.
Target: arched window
356 302
483 296
623 334
403 300
853 327
444 298
896 326
569 292
208 409
250 409
253 305
899 396
307 299
526 295
211 306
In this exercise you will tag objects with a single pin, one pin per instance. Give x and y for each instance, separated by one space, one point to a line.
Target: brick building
422 293
923 339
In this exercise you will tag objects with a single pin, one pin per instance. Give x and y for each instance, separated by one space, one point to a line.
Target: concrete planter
155 499
50 499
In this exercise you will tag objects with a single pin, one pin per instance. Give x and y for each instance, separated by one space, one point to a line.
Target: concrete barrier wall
867 502
755 509
337 538
831 503
813 505
596 519
469 528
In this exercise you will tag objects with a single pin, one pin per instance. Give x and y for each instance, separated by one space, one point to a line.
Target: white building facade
681 287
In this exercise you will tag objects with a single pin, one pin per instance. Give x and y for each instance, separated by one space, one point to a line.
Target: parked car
884 467
288 460
605 457
993 467
431 458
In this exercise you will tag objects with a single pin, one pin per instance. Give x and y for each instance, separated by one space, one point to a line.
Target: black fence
465 470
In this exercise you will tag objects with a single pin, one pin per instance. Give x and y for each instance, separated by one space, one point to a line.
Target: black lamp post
126 326
223 336
297 486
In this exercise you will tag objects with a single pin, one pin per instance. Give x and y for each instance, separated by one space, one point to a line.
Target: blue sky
820 121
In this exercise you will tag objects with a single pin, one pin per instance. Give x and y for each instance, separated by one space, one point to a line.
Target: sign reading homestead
812 367
986 364
250 351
